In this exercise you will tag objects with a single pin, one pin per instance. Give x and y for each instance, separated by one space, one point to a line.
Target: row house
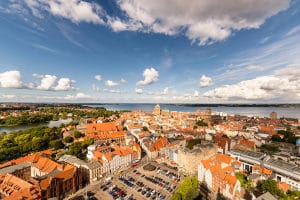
106 132
112 158
218 175
51 179
91 171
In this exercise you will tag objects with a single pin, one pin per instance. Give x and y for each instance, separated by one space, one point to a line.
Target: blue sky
150 51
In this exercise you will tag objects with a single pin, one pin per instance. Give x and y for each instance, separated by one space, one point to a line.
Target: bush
56 144
78 134
68 139
201 123
192 143
187 190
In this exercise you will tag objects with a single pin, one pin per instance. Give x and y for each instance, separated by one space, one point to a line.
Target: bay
23 127
259 111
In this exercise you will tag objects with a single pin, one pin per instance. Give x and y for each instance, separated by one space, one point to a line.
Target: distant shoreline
284 105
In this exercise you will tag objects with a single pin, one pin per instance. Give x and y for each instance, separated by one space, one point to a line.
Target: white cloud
193 18
205 81
283 85
78 96
47 81
139 90
255 68
97 89
45 48
111 83
264 40
64 84
122 81
150 76
51 82
118 25
196 93
8 96
98 77
75 10
294 30
11 79
165 91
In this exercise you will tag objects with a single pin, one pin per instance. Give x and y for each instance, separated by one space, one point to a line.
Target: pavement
128 172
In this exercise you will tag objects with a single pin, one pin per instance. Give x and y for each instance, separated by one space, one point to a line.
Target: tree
191 194
188 188
243 180
75 149
270 185
276 138
56 144
145 128
269 148
201 123
68 139
78 134
176 196
192 143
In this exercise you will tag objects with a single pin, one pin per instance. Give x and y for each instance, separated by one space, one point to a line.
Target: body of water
49 124
290 112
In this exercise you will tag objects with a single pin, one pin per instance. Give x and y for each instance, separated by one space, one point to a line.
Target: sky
158 51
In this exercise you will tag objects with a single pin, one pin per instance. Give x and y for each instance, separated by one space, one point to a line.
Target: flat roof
283 165
13 168
252 154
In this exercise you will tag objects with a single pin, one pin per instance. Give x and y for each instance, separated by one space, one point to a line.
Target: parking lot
138 183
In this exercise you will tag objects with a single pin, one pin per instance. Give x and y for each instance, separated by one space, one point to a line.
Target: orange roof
161 142
15 188
248 143
230 179
224 158
45 183
284 186
68 172
102 127
103 136
47 165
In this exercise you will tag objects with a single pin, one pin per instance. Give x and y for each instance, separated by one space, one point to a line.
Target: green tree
176 196
78 134
68 139
201 123
276 138
56 144
269 148
75 149
145 128
245 183
188 188
270 185
192 143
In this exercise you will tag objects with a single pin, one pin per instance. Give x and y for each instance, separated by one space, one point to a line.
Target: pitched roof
15 188
224 158
47 165
102 127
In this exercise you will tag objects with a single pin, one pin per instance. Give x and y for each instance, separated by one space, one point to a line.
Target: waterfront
290 112
49 124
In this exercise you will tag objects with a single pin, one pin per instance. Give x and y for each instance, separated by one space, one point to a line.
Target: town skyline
139 52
